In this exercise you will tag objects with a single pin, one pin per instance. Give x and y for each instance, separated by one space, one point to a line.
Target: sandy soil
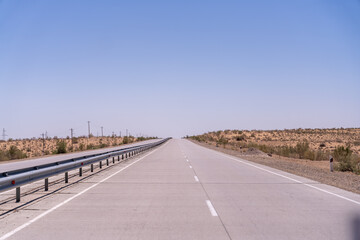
38 147
325 140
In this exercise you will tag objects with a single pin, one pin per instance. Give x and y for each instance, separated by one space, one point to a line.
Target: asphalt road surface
183 191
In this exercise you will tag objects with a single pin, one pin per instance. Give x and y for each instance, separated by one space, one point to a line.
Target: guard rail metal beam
22 170
19 177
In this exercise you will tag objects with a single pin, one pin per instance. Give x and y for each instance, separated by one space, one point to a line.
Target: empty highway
180 190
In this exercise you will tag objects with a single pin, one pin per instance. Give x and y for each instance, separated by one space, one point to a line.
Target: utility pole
120 133
43 138
72 140
4 134
102 132
89 128
126 132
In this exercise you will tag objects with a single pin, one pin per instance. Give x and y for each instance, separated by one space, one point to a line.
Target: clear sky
172 68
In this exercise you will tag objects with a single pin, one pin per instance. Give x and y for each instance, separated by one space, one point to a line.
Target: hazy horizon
149 136
171 69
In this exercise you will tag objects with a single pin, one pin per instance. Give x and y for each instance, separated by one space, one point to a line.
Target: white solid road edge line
196 178
292 179
211 208
69 199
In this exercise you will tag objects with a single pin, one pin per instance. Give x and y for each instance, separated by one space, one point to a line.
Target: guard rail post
18 194
46 184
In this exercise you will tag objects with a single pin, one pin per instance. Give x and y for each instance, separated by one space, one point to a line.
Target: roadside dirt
325 140
315 170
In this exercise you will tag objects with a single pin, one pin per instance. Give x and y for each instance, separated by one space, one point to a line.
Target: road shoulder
305 168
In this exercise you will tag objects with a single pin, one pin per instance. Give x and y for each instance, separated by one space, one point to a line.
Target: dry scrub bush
12 153
346 160
61 147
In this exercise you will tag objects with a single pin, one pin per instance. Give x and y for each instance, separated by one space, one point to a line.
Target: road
183 191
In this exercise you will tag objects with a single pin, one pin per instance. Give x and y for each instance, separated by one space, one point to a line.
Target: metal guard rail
19 177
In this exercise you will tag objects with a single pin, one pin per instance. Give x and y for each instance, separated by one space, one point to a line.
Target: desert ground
324 140
35 147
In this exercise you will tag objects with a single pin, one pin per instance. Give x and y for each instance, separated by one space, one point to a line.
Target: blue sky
172 68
